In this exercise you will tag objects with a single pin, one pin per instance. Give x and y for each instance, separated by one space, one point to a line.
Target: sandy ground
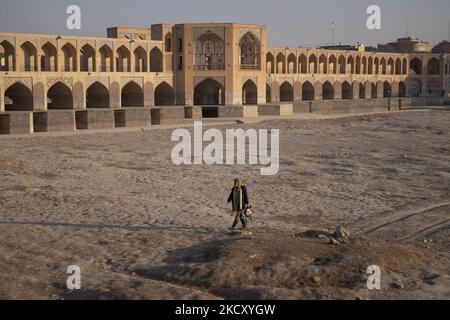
142 228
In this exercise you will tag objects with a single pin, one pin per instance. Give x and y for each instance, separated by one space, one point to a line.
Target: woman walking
239 199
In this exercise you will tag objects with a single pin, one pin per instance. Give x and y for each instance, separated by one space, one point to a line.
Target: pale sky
290 22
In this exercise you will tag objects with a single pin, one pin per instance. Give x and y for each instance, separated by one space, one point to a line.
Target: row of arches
337 90
19 97
332 64
87 59
433 66
211 92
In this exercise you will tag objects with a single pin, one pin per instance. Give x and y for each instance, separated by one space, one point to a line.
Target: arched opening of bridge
286 92
59 96
327 91
106 59
249 93
156 60
18 97
402 89
292 64
7 56
362 91
209 93
374 91
250 49
140 60
29 54
415 66
281 63
97 96
312 64
387 90
69 58
132 95
303 64
209 52
123 59
48 58
268 94
168 42
164 95
270 62
347 91
323 64
398 66
307 91
433 66
342 64
332 66
87 59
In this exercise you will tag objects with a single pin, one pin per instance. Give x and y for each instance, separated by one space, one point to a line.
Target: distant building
346 47
129 33
371 49
443 47
406 45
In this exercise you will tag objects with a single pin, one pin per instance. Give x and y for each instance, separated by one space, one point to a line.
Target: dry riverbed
142 228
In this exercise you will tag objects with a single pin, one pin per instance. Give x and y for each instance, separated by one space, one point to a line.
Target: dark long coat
245 203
